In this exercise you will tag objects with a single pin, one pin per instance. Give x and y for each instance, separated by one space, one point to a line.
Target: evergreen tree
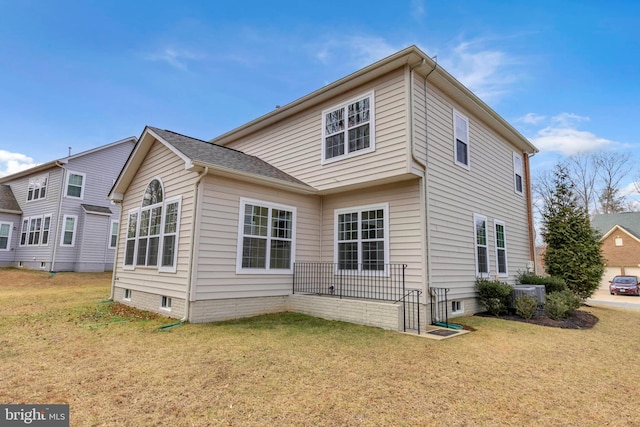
573 246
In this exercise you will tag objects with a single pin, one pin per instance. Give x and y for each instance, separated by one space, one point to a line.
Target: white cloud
489 73
563 136
177 58
417 8
356 50
11 163
531 118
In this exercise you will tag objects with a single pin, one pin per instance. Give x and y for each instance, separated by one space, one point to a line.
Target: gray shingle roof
8 201
217 155
630 221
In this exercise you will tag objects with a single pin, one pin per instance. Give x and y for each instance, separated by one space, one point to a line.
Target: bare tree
583 170
612 167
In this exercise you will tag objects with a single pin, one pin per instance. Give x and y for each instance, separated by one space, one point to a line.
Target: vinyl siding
406 219
163 164
455 194
34 255
90 242
295 146
217 239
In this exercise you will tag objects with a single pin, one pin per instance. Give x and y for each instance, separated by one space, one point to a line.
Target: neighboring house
620 243
391 183
57 217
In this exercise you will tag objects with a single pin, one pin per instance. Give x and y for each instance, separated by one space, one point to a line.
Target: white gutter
192 241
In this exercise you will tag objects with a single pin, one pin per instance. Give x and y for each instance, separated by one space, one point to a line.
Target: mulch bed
579 320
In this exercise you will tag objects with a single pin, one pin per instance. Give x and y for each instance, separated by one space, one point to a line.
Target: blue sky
85 73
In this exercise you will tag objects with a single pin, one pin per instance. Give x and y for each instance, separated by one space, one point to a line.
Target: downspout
58 219
192 242
423 165
115 255
532 236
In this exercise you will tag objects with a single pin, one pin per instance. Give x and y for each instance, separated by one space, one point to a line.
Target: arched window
152 231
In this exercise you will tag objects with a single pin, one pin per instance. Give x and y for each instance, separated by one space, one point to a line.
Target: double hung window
517 173
75 185
5 235
266 237
461 139
481 244
362 235
501 248
347 129
35 231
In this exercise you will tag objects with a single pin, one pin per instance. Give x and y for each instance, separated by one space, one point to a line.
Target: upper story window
362 238
266 237
75 185
482 245
37 187
153 230
517 173
461 139
5 235
347 129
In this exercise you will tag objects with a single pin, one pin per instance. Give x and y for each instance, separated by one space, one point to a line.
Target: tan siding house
354 203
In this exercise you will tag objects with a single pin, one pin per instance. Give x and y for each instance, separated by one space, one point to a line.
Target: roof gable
199 155
8 202
628 221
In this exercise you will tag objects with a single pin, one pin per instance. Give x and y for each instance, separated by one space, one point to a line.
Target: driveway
602 296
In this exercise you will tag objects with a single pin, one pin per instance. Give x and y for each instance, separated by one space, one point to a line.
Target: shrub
551 283
526 306
561 304
494 295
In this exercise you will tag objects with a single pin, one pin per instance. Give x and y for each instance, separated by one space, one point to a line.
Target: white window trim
66 185
63 226
270 206
165 303
372 134
46 193
10 224
460 309
506 252
174 267
126 295
23 229
455 141
359 210
477 217
131 266
517 172
113 221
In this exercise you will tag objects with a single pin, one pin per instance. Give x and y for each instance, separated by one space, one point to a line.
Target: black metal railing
439 306
382 282
326 278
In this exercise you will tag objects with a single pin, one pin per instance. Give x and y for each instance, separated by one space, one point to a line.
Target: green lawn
61 343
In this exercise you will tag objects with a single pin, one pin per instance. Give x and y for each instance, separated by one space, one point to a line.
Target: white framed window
618 241
127 294
457 307
153 231
362 238
518 182
501 248
5 235
37 187
481 245
35 230
69 224
75 185
266 237
347 129
113 234
165 303
461 139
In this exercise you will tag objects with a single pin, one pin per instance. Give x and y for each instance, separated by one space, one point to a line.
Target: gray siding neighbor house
368 201
57 217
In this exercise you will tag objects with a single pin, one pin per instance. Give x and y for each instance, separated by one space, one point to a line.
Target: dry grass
58 344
